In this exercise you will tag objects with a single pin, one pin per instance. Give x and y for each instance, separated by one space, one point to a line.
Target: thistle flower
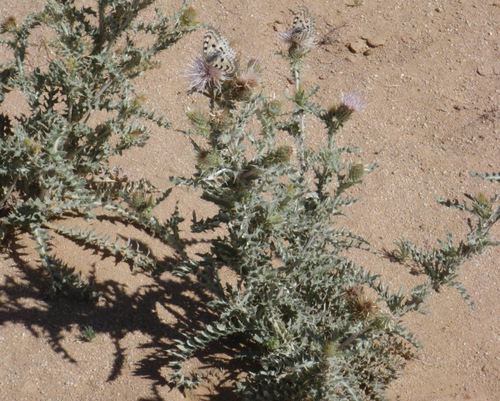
295 40
352 102
217 64
250 77
349 103
246 80
203 75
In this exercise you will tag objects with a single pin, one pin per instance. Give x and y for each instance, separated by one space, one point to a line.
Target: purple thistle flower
293 40
339 114
352 102
249 78
203 75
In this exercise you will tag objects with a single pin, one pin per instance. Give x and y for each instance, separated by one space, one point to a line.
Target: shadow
118 312
394 257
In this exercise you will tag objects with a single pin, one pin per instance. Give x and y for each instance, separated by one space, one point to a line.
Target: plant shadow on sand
117 312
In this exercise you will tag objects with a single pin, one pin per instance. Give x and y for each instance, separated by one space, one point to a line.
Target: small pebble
357 46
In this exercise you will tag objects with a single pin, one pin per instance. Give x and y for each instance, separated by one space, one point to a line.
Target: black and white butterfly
218 52
302 26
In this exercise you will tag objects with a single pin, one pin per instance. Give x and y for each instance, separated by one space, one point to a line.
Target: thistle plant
442 264
82 109
315 325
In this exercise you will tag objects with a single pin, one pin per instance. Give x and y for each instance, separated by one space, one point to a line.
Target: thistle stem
492 220
300 137
9 191
352 338
489 223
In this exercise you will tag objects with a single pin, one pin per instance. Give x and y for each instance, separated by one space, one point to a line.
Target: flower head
249 78
296 39
352 102
340 113
204 75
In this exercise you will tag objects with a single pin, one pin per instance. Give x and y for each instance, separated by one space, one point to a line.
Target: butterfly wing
218 53
303 25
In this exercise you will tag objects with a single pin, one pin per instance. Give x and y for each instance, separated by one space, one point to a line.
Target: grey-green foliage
442 264
82 108
315 325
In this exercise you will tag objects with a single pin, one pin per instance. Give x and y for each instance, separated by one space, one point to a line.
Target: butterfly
302 26
218 53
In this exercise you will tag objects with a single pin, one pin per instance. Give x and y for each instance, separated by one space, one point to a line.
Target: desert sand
429 72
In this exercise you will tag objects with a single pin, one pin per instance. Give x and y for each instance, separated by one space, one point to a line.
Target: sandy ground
429 71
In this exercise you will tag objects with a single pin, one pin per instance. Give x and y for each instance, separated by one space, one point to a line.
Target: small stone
367 52
357 46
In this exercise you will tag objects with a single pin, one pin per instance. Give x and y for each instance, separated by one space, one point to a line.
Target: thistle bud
199 121
273 108
71 64
141 202
220 120
35 148
9 25
188 16
356 172
208 159
482 206
331 350
281 155
300 96
363 308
